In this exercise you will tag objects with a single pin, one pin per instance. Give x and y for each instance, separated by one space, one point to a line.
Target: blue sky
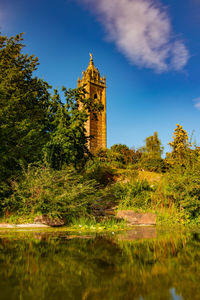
149 51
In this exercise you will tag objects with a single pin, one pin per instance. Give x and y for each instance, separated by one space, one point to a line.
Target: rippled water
139 264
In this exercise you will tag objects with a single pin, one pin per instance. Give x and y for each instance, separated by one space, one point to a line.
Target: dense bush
182 187
101 172
153 164
119 156
135 195
42 190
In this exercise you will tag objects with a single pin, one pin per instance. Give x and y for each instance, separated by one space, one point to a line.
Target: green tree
24 102
120 153
123 155
151 154
180 146
153 146
68 139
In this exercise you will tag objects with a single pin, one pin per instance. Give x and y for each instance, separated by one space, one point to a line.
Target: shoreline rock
46 220
134 218
28 225
39 222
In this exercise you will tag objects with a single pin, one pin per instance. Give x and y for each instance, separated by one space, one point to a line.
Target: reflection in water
138 233
55 266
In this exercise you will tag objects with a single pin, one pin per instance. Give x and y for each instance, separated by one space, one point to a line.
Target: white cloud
197 103
180 55
142 31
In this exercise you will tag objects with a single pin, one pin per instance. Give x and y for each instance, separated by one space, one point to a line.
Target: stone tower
96 88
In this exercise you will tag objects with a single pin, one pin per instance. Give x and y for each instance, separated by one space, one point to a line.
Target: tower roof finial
91 56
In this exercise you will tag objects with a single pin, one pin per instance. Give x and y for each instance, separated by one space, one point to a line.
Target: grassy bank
81 197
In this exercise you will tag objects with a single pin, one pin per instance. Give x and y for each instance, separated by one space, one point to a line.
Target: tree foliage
123 155
153 147
180 146
151 155
68 140
24 102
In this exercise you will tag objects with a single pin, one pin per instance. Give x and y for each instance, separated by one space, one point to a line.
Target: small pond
138 264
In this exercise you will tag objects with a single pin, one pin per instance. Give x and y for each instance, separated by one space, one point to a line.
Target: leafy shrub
42 190
5 190
154 164
119 156
100 172
136 195
182 187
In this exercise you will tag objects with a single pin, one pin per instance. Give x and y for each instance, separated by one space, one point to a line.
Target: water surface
139 264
